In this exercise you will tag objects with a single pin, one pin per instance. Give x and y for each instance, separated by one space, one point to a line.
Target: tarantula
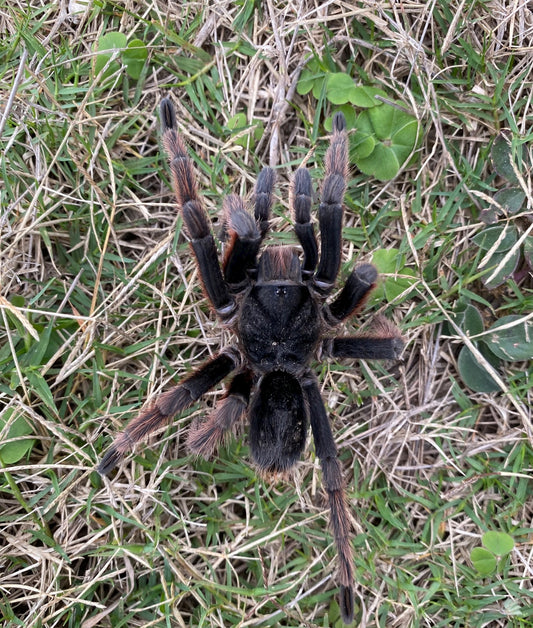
276 306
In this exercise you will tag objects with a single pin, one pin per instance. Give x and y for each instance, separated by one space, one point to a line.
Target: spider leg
300 200
196 221
205 436
167 405
330 209
353 296
326 450
246 232
383 342
263 199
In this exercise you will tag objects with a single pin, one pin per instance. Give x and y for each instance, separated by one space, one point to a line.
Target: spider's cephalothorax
276 305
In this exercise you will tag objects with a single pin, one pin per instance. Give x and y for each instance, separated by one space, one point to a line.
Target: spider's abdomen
279 326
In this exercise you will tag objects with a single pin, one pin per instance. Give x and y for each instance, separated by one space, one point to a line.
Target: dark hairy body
276 304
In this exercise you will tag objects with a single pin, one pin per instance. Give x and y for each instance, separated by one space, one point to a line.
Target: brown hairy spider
277 307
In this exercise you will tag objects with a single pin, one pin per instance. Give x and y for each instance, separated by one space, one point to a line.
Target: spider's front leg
330 210
169 404
246 232
326 450
195 217
353 296
300 201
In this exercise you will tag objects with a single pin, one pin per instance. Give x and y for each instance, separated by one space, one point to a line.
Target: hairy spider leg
263 199
326 450
205 436
245 240
167 405
383 341
195 217
330 211
300 199
353 296
246 232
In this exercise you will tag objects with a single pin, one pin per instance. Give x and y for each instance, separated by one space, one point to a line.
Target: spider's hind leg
205 436
326 450
382 341
167 405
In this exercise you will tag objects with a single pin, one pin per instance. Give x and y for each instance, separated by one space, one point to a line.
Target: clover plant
497 545
244 134
385 133
509 339
507 241
132 55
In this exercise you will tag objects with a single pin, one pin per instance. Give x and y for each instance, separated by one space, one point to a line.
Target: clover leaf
245 135
514 342
496 546
396 134
14 450
134 58
106 46
132 55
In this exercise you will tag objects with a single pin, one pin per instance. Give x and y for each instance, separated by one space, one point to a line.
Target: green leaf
483 561
473 374
528 250
405 138
392 262
488 237
511 199
363 124
365 97
106 46
41 388
395 286
112 41
381 119
382 163
501 154
499 543
237 122
469 320
498 270
38 350
134 58
499 239
388 261
339 88
514 343
11 453
247 134
395 133
361 146
310 77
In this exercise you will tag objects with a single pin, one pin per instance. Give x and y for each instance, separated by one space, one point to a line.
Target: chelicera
276 303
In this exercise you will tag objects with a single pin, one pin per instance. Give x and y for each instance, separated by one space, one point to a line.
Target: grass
101 308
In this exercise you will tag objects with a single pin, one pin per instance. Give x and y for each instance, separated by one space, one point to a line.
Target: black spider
276 306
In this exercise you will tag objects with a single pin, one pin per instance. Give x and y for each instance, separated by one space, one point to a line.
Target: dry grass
101 309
